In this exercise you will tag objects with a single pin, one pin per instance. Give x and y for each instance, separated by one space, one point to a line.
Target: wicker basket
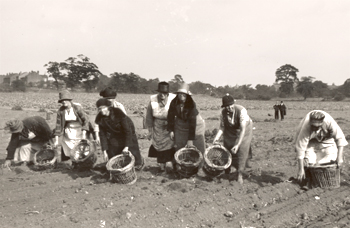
327 176
188 161
216 159
121 168
83 154
45 158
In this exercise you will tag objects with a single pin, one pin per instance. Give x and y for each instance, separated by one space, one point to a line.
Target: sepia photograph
175 113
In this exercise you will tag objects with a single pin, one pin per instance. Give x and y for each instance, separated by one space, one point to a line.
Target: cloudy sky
222 42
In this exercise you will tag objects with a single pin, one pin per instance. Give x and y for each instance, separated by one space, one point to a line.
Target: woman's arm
171 116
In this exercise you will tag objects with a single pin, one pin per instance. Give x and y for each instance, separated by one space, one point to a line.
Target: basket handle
191 146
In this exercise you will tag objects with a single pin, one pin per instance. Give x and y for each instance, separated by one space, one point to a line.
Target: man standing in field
282 109
319 140
28 137
276 107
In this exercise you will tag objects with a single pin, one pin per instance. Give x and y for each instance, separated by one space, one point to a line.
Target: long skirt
231 136
26 150
182 130
162 156
116 144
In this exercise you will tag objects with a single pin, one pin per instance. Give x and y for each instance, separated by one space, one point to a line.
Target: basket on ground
45 158
216 159
188 160
121 168
83 153
327 176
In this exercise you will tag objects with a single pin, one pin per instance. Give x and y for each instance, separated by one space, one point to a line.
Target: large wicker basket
188 160
327 176
45 158
83 154
216 159
121 168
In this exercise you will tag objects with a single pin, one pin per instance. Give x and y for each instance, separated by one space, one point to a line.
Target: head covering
318 116
14 125
227 100
108 93
103 102
64 96
184 88
163 87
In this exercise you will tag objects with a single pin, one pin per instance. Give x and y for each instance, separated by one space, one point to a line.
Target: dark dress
187 124
116 132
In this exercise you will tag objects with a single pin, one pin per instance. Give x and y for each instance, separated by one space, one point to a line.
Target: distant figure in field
319 140
283 109
28 136
277 109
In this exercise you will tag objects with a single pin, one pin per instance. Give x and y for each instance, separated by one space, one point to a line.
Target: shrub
339 97
19 85
17 107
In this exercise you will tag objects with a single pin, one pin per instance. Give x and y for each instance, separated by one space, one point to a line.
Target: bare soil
269 197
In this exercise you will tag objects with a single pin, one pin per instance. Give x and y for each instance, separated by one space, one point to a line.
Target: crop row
137 102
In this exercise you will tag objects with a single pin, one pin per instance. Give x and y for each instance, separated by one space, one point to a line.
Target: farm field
86 198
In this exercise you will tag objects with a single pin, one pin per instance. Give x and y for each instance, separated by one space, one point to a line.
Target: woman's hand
7 164
105 156
55 144
172 135
31 135
98 140
301 175
126 150
84 134
190 143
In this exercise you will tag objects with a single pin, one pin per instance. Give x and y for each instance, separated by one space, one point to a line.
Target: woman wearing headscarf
318 140
185 124
156 120
117 132
237 130
72 124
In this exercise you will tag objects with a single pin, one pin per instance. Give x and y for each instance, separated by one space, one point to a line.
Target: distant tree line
79 72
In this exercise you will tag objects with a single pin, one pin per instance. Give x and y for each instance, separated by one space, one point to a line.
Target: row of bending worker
174 122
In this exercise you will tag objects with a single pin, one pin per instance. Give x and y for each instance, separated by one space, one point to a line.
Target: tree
19 85
54 71
103 82
305 86
345 88
321 89
174 83
81 70
286 75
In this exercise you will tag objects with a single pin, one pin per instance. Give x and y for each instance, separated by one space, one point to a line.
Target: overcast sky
219 42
